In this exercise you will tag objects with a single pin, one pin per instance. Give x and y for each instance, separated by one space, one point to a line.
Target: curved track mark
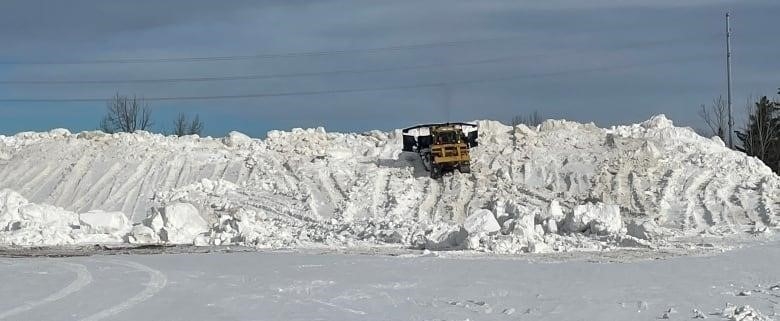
338 307
83 278
157 281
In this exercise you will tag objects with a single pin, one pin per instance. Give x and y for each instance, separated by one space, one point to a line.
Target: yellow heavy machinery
442 147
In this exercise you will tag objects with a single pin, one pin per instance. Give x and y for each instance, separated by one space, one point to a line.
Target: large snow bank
556 187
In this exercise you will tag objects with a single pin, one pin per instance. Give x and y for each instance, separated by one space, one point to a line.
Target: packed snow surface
557 187
309 285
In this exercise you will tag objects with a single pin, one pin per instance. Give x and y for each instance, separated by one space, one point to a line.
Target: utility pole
728 79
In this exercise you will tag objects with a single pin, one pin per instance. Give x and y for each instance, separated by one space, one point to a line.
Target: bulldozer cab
420 138
447 136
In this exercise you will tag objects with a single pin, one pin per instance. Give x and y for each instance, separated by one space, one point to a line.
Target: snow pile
560 186
743 313
25 223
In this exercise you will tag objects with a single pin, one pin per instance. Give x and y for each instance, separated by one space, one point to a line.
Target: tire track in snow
48 181
337 184
328 187
736 201
184 173
179 171
380 184
68 183
664 191
96 189
464 195
721 195
472 194
83 278
637 199
157 281
338 307
142 190
704 201
121 196
34 183
25 177
433 194
692 207
444 187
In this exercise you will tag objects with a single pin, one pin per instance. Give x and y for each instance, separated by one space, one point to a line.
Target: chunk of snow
236 139
446 237
595 218
481 221
141 234
743 313
59 132
643 229
105 222
181 223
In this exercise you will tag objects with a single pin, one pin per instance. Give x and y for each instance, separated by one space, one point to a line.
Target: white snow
323 285
104 222
24 223
558 187
601 219
236 139
743 313
481 221
176 223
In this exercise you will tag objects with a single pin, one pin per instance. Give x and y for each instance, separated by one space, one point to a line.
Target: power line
282 55
370 89
264 76
331 72
258 56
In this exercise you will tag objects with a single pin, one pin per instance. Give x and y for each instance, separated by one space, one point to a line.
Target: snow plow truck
442 147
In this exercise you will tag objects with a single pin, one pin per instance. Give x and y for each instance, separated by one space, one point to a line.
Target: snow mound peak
658 122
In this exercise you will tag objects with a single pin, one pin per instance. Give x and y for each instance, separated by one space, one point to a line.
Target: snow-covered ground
310 286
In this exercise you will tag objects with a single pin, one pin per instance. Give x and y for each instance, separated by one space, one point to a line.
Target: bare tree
126 114
716 117
183 126
531 120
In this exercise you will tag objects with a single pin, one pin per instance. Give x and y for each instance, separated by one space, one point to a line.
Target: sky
357 65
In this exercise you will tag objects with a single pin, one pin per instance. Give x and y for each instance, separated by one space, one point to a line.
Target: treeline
758 136
761 135
126 114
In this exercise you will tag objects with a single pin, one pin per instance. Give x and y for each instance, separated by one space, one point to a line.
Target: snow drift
560 186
